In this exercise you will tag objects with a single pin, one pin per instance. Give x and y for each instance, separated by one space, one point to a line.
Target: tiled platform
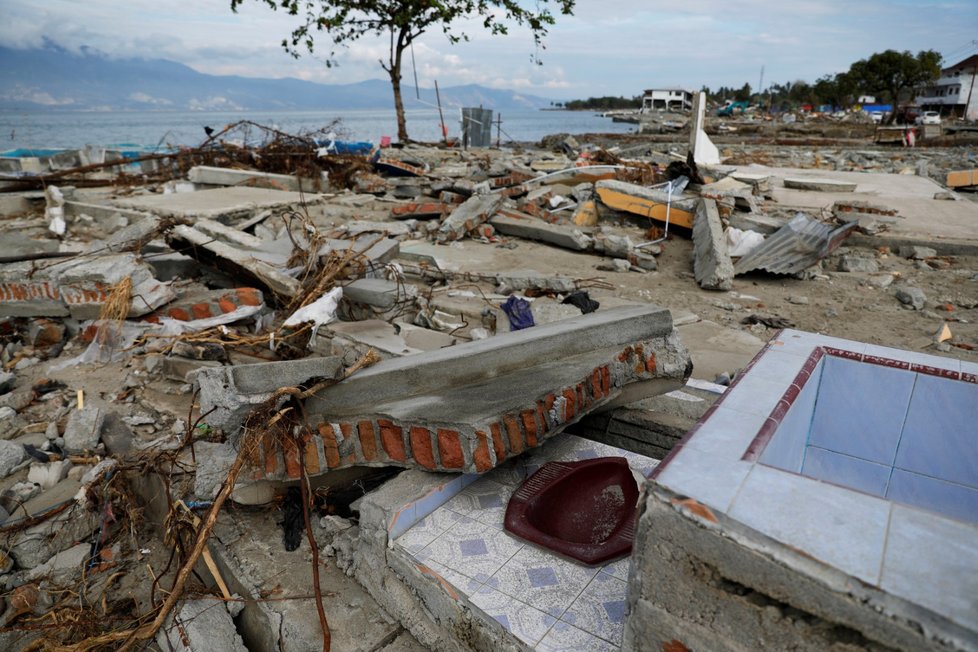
546 601
755 458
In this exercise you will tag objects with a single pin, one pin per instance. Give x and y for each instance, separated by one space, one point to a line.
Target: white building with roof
667 99
954 93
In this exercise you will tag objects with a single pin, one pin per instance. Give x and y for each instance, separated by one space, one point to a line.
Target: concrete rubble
147 360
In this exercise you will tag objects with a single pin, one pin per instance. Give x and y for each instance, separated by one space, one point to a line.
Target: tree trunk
395 74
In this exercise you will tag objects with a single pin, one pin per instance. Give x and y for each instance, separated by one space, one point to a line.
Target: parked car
877 116
929 118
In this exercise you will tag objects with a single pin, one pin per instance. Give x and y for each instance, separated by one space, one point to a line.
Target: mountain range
52 78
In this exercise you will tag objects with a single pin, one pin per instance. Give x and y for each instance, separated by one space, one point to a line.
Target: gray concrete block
703 581
711 262
83 429
862 264
532 228
377 292
467 216
229 394
200 625
11 454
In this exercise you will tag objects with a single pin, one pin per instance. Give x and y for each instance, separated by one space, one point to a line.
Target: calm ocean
77 129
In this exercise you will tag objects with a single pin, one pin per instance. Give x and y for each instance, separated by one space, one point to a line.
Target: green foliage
606 103
341 22
888 74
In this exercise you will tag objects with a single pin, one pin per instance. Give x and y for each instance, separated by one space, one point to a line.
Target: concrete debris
468 216
911 297
819 185
361 326
200 624
79 287
711 262
225 257
532 228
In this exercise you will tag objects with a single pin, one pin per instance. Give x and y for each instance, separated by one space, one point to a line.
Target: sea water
68 129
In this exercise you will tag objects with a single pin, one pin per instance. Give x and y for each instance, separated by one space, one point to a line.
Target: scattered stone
861 264
881 281
11 455
50 474
917 253
83 430
798 301
7 381
911 297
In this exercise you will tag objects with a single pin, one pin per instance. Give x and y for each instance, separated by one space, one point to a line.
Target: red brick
201 310
596 384
347 430
570 405
481 454
450 449
226 305
392 439
421 447
625 355
529 418
516 443
542 419
606 380
179 314
248 297
640 365
650 363
368 440
311 457
583 397
330 449
498 447
290 450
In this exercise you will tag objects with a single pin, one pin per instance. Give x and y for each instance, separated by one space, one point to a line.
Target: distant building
667 99
954 94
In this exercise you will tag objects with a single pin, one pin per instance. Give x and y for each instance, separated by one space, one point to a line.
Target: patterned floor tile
472 548
525 622
427 530
463 584
618 568
541 580
600 609
567 638
483 500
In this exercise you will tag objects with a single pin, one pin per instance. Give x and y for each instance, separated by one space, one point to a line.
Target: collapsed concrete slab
711 262
647 202
532 228
221 204
819 185
78 287
225 257
467 216
229 394
469 407
212 176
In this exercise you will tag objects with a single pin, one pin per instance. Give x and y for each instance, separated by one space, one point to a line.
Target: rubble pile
244 321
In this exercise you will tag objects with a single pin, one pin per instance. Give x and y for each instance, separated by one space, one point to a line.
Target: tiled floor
547 601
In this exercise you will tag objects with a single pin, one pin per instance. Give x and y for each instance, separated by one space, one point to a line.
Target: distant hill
53 79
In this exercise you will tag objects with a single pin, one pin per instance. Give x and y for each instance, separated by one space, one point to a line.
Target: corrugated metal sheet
796 246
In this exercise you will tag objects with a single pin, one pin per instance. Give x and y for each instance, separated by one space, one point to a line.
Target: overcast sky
609 47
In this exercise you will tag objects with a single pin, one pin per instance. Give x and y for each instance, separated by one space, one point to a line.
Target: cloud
611 47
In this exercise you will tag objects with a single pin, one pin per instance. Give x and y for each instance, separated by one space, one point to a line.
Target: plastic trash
519 313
